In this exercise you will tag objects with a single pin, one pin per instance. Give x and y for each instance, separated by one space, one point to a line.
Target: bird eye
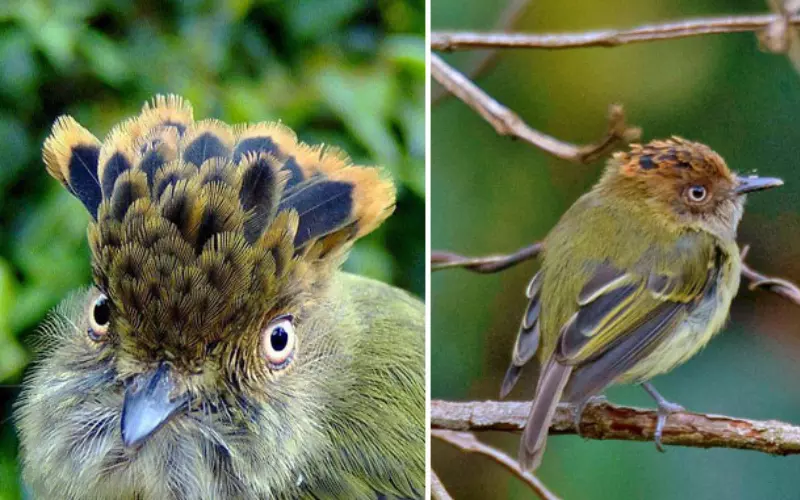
99 319
697 193
277 342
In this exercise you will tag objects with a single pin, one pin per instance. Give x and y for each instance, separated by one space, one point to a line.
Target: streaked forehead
671 157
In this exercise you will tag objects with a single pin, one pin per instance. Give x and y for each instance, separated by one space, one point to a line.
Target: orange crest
674 157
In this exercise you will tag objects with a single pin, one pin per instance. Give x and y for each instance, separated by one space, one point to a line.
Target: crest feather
205 140
671 157
230 218
71 156
263 181
167 111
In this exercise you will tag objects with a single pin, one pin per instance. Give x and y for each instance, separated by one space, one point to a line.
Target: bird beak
149 404
754 183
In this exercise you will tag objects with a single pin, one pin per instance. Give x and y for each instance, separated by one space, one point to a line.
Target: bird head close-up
221 353
685 184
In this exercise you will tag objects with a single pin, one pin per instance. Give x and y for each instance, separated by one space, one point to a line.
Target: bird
636 277
221 352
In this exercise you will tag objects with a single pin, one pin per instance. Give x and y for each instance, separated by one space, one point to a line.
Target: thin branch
506 122
603 420
779 286
489 264
469 443
495 263
506 21
450 41
779 37
438 491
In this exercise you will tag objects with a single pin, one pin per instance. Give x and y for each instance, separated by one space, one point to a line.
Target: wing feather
527 342
622 318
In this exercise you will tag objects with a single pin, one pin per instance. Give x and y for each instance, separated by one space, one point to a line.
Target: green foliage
344 72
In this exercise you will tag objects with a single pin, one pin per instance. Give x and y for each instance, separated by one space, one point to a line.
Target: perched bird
221 353
636 277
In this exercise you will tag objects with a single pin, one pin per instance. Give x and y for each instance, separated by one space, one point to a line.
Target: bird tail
548 393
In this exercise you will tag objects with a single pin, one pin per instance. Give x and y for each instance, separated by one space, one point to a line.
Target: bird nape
636 277
221 353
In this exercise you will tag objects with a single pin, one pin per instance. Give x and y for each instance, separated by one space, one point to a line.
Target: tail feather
548 393
510 380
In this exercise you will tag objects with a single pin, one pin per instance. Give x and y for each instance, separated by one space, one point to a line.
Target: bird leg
580 406
665 408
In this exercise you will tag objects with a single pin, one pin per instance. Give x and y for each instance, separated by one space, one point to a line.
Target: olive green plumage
222 354
636 277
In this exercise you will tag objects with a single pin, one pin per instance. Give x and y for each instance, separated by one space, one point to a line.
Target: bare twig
489 264
779 36
469 443
506 122
445 41
603 420
506 21
495 263
782 287
438 491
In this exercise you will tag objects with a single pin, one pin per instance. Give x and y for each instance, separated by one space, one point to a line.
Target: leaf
311 19
17 149
12 356
55 35
107 60
363 98
407 51
20 71
52 266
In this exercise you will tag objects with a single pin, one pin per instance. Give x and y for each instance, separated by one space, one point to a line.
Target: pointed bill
149 405
755 183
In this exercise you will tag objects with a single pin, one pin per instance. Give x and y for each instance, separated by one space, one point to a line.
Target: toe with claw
580 406
665 409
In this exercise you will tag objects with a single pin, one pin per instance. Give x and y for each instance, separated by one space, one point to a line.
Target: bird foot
665 409
580 406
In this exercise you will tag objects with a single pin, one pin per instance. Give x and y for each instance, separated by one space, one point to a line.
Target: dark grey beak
149 404
754 183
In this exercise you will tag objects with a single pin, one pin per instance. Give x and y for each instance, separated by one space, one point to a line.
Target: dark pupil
279 338
102 312
698 193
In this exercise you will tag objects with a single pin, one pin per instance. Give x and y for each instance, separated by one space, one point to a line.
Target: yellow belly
694 332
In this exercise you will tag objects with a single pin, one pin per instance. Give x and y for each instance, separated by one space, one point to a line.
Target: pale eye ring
277 342
697 193
99 318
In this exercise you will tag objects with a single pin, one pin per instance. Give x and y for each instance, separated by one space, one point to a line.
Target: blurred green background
344 72
490 194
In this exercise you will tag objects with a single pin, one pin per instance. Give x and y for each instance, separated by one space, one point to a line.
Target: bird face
686 181
172 379
206 347
99 419
187 325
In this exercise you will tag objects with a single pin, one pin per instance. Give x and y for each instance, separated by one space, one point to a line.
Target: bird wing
528 336
623 316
